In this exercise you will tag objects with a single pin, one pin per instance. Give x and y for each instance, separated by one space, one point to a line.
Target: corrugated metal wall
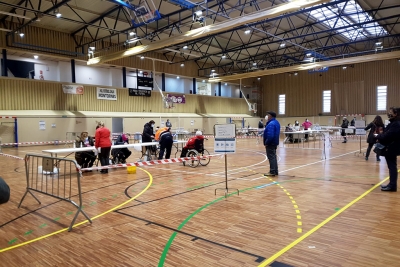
353 89
24 94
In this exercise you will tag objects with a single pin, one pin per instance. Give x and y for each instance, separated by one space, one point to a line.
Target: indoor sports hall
222 70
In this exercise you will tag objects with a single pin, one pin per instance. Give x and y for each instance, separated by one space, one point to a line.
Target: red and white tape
37 143
7 117
149 163
11 156
362 115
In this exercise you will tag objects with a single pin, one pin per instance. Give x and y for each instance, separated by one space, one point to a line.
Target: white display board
225 145
225 138
225 130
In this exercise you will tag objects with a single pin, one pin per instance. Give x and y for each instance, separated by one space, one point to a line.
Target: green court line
171 239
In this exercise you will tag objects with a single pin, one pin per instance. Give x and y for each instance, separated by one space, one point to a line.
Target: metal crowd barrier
55 177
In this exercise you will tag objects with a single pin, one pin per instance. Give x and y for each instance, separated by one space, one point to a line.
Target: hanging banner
106 93
72 89
177 99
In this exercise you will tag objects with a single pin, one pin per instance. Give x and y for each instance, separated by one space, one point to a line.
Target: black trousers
391 162
104 156
166 144
88 159
369 151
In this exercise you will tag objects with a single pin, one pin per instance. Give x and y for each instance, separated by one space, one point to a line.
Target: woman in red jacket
103 143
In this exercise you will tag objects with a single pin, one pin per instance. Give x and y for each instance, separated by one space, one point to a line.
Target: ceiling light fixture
185 47
177 77
204 81
258 78
282 45
182 65
92 48
35 57
226 84
254 63
142 57
212 70
295 74
344 67
223 56
132 33
247 31
57 13
21 34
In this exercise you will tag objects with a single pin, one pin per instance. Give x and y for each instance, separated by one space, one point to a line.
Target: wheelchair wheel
205 161
192 162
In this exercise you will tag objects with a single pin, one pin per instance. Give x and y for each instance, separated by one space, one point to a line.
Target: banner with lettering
72 89
106 93
177 99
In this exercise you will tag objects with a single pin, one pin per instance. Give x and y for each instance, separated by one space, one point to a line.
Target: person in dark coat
166 141
147 137
148 132
375 127
390 138
4 191
345 124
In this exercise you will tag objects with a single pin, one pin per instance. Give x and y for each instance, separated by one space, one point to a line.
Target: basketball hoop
168 103
255 111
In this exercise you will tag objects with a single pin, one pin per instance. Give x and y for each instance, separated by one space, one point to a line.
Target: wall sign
72 89
177 99
139 92
106 93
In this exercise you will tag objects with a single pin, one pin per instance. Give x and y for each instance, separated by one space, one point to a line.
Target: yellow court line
83 222
301 238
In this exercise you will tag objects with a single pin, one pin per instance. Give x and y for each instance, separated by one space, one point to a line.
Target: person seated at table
191 143
289 137
164 136
121 154
85 158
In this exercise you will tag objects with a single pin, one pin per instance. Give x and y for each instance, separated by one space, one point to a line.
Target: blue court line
265 185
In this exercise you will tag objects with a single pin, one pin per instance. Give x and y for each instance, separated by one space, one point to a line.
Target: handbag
380 149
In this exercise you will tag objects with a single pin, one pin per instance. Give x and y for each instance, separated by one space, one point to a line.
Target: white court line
301 166
189 172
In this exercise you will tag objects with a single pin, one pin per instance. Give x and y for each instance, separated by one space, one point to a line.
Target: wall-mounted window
381 97
326 101
282 103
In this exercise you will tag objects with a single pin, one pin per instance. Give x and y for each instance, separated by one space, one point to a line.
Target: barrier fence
55 177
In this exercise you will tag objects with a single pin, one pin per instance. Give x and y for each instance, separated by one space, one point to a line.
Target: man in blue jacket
271 141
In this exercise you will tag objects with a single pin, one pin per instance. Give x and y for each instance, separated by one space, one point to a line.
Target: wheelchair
197 151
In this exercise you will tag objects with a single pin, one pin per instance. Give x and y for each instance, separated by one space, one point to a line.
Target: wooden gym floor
315 213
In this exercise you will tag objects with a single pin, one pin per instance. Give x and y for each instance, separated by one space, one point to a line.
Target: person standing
271 141
260 127
147 137
345 124
103 144
375 127
166 140
390 138
168 124
306 125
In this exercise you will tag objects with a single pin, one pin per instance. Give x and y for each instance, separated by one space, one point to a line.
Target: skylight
351 13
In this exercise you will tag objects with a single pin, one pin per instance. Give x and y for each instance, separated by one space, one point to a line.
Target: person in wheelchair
86 158
196 142
120 155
